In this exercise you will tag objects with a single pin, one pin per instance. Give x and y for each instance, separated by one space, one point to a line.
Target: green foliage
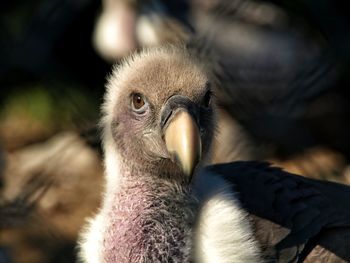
50 108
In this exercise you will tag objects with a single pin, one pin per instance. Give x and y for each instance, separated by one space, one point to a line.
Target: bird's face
162 111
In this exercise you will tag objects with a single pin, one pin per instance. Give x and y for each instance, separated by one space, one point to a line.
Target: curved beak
183 140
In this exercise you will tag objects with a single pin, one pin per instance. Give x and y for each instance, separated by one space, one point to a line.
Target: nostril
165 117
173 104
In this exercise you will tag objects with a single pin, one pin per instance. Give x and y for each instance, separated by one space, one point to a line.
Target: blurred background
54 59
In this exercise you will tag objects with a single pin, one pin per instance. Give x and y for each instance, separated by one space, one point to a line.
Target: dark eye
207 99
138 103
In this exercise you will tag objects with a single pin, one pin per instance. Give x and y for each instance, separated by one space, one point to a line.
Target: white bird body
161 204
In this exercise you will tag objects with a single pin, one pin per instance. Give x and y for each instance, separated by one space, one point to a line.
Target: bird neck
149 219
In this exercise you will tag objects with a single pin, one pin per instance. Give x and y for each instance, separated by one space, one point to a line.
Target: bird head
158 111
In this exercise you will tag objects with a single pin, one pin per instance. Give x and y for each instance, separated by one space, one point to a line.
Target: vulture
280 72
281 81
163 203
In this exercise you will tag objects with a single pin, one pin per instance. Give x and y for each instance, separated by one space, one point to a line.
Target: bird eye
207 99
138 103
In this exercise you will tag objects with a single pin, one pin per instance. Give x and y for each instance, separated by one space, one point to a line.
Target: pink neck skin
148 221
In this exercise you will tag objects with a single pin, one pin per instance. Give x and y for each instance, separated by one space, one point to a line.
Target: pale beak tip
183 141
